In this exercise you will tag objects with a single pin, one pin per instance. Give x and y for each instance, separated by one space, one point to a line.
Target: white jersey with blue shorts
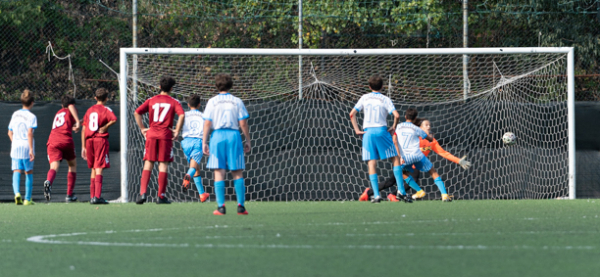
377 142
193 129
20 123
226 149
408 139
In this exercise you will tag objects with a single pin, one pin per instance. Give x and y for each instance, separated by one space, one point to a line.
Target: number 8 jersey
376 107
161 111
96 117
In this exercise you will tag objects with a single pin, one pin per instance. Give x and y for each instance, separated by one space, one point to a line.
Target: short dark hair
375 82
101 94
26 98
167 83
67 100
194 101
223 82
419 121
411 114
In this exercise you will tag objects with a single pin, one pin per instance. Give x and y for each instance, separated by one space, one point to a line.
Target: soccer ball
509 138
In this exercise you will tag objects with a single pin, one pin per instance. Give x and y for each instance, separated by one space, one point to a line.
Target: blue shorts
378 144
423 165
226 150
22 164
192 148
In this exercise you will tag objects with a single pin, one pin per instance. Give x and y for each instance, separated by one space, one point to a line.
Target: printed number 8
93 122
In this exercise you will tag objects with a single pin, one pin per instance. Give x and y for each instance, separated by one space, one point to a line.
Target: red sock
71 177
144 181
92 187
98 193
162 183
51 176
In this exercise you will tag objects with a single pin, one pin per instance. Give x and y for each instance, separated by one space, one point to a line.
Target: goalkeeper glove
464 163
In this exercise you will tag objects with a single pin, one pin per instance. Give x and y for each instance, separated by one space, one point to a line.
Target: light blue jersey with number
376 108
193 126
20 123
225 111
408 139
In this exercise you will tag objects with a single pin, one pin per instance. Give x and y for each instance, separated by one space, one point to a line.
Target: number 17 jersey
96 117
161 111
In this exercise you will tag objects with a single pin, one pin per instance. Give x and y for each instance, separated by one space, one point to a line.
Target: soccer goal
304 147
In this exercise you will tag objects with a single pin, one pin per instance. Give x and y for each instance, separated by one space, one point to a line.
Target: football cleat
392 198
220 211
47 190
446 198
376 200
405 198
28 203
163 200
242 210
186 182
71 198
98 201
18 199
141 199
420 194
204 197
364 196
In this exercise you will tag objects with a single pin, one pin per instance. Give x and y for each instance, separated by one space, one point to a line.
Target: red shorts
61 151
158 150
97 153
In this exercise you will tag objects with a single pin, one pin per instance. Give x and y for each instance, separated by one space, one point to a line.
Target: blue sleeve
422 133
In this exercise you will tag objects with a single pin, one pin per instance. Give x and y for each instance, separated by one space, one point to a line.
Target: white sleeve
10 124
421 133
389 105
242 112
33 122
359 105
207 114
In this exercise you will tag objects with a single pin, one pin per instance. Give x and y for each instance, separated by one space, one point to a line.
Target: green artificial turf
428 238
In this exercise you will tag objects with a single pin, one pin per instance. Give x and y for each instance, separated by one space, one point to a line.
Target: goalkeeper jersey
427 147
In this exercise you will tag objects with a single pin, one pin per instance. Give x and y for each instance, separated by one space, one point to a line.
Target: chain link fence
90 33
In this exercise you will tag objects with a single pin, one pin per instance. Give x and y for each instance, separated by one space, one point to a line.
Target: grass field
429 238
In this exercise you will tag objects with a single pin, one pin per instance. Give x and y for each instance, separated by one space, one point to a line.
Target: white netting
305 149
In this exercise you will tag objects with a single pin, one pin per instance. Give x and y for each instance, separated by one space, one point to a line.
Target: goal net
303 144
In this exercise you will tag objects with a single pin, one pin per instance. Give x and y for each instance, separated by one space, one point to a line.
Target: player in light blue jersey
226 114
377 141
407 135
192 145
22 150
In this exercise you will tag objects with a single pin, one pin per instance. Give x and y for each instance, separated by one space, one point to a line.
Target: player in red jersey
159 136
94 143
61 147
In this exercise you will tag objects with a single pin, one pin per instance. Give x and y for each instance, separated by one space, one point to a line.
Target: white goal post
549 79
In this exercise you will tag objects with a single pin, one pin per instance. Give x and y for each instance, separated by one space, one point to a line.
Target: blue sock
198 182
220 192
16 182
240 190
374 184
411 182
28 186
438 182
399 181
191 171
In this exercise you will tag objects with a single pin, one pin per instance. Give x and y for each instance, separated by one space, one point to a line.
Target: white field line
56 239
